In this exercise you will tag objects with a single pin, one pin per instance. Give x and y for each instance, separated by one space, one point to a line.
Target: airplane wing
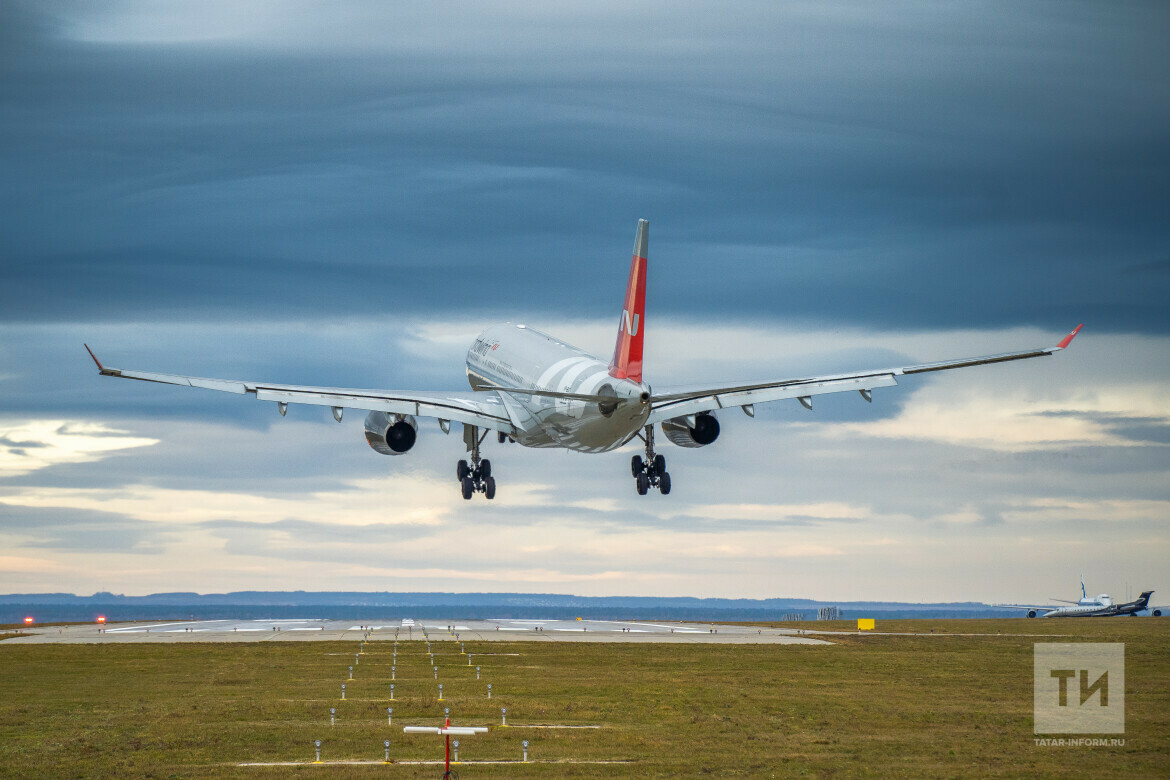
1039 608
482 409
668 405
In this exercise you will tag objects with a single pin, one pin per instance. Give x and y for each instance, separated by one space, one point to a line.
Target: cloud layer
912 167
346 195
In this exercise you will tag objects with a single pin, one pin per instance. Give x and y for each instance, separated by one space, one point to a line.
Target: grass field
941 705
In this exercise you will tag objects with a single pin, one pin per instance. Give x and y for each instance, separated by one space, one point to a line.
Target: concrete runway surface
286 630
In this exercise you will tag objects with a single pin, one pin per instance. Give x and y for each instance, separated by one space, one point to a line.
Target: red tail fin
627 354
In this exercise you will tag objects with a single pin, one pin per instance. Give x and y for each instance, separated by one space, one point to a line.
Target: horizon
446 599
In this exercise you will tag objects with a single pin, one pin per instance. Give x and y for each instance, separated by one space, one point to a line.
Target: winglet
1068 339
95 360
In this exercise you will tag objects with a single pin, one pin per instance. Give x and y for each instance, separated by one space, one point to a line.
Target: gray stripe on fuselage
566 382
594 379
556 367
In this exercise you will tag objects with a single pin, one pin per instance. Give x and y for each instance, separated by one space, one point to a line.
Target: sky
346 194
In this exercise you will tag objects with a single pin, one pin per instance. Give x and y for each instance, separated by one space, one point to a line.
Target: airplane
1101 606
537 390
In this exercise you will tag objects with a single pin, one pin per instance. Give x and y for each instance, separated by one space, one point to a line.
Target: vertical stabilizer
627 353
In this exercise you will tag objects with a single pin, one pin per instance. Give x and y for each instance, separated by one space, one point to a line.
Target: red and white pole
447 770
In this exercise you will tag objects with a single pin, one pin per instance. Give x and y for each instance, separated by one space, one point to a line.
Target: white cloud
30 445
25 565
1105 512
417 501
826 510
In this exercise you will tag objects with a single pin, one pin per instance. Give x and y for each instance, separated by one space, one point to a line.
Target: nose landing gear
475 477
650 472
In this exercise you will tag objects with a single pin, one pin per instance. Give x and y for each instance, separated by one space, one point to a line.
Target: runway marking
130 629
432 762
291 620
473 631
416 762
652 625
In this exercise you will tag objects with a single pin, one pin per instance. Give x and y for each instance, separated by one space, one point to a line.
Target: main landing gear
475 477
650 472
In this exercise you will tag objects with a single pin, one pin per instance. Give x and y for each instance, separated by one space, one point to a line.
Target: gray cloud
305 540
1151 430
64 529
20 445
925 168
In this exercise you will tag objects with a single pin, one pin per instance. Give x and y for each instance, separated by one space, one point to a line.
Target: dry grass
873 706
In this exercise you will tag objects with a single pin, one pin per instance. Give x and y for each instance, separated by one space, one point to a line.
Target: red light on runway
101 619
28 621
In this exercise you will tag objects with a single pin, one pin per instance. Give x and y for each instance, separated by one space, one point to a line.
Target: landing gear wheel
659 465
664 482
643 483
636 465
476 476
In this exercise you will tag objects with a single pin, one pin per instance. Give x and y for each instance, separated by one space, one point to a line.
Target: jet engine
697 431
391 434
1156 613
1031 613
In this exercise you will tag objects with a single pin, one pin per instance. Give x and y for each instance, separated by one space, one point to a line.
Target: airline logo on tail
628 325
627 353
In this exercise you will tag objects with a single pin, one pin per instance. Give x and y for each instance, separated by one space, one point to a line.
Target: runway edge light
865 624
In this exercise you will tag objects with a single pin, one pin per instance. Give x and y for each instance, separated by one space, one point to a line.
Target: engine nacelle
697 431
1156 613
391 434
1031 613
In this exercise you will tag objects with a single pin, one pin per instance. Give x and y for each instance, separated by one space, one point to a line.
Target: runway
501 630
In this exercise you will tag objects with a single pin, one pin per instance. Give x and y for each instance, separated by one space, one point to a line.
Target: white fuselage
516 356
1086 607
